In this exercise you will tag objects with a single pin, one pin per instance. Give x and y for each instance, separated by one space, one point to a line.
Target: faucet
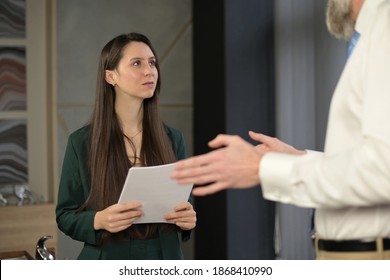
41 252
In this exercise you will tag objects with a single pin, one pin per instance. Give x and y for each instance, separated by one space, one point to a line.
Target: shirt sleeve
357 176
320 181
79 225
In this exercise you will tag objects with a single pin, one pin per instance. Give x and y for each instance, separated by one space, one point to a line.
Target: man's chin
344 32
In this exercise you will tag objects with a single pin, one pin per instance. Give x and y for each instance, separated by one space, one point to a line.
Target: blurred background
227 66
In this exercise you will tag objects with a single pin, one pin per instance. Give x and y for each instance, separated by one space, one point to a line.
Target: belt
351 245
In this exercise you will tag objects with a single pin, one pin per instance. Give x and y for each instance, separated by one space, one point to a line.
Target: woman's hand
184 216
117 217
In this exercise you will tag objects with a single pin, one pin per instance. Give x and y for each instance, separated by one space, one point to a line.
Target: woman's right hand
117 217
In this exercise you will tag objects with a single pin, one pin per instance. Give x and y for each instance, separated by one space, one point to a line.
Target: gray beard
338 19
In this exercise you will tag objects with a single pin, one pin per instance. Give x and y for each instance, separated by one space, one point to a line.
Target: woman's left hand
184 216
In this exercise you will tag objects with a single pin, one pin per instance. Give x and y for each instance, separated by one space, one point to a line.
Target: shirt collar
366 14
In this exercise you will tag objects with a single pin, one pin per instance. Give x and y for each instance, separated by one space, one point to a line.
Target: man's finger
195 179
259 137
221 140
202 171
194 162
210 189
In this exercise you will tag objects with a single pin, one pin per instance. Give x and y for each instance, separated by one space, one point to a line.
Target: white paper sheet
157 192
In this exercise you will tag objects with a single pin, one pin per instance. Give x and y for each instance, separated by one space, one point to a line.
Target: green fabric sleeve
73 191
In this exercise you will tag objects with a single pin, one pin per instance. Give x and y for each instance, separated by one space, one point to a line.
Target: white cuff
275 174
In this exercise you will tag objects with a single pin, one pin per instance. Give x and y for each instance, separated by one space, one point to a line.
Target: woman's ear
110 77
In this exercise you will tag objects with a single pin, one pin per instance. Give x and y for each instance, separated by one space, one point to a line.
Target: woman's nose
148 70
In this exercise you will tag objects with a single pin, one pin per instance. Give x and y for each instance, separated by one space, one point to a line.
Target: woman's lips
149 84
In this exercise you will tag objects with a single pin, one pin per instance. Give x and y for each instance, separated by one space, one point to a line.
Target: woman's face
136 74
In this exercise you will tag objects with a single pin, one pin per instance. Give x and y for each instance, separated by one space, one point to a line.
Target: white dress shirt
348 184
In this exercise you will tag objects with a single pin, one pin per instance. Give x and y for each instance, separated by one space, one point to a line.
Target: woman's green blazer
74 189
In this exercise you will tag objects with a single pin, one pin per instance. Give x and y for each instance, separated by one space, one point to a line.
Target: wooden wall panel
22 226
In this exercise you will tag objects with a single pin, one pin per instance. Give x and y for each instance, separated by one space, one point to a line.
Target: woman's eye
152 63
136 63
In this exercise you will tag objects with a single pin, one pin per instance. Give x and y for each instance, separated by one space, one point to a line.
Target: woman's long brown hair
108 161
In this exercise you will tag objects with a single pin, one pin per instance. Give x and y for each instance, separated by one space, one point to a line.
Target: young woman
125 130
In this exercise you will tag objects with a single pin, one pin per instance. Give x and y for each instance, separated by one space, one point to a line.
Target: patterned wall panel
12 19
12 78
13 151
